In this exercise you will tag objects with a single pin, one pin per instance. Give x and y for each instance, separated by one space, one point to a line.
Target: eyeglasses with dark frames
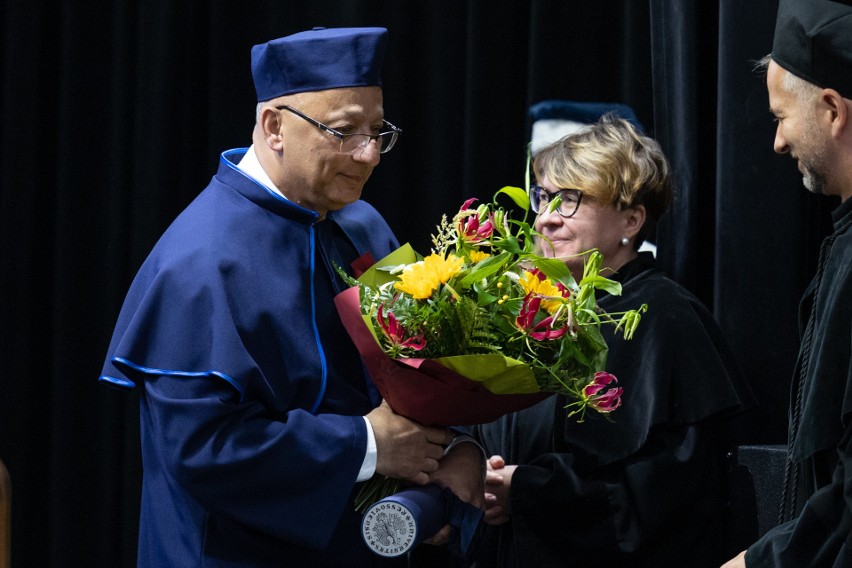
354 143
565 201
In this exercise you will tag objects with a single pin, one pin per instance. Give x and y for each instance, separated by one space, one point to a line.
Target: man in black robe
809 79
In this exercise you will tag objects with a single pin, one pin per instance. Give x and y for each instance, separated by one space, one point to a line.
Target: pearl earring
625 241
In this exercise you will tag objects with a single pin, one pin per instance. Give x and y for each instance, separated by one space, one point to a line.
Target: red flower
470 228
549 332
395 332
529 309
600 396
541 331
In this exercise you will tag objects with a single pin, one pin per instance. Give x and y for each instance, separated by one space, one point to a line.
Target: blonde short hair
611 162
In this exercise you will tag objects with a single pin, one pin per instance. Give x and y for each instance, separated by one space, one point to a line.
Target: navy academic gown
821 534
648 487
252 393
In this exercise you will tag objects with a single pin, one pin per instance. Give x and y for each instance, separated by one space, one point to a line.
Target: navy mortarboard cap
555 119
319 59
813 40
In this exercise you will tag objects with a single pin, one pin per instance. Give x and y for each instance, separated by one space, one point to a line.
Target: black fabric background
114 115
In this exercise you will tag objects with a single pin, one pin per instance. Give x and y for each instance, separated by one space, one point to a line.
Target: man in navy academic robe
257 419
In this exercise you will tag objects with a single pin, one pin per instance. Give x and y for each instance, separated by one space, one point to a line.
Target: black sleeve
822 534
631 509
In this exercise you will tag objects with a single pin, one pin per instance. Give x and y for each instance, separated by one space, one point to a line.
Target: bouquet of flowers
483 325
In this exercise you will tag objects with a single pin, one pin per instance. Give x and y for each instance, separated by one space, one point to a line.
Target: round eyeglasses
354 143
565 201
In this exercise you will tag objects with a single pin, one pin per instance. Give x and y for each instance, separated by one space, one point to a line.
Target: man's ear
839 111
271 128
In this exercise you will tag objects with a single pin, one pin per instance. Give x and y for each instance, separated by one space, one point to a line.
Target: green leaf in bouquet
599 361
484 269
590 350
379 274
499 374
588 316
511 245
484 297
602 283
555 269
518 195
368 321
594 339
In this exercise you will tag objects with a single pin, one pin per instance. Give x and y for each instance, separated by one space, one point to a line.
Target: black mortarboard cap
813 40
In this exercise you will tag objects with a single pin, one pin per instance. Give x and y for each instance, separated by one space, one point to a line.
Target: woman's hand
498 483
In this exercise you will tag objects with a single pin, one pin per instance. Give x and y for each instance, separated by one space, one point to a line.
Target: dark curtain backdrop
114 114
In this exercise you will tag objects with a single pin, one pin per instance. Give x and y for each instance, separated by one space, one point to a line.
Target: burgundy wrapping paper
421 389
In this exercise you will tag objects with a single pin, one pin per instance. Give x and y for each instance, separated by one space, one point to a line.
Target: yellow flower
535 283
420 279
477 255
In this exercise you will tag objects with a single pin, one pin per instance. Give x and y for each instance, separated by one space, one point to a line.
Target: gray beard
814 167
813 181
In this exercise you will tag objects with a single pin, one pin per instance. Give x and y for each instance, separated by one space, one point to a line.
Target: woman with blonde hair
646 485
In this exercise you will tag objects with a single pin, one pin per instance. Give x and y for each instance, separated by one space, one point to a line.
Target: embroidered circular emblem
389 528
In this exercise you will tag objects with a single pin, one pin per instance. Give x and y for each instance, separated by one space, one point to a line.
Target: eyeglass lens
569 200
355 143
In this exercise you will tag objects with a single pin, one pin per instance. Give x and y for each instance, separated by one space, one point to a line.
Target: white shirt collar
250 166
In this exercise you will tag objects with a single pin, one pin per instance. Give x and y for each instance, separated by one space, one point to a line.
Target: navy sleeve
286 476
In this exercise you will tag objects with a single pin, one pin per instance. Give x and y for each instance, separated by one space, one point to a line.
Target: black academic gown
821 535
252 392
646 488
